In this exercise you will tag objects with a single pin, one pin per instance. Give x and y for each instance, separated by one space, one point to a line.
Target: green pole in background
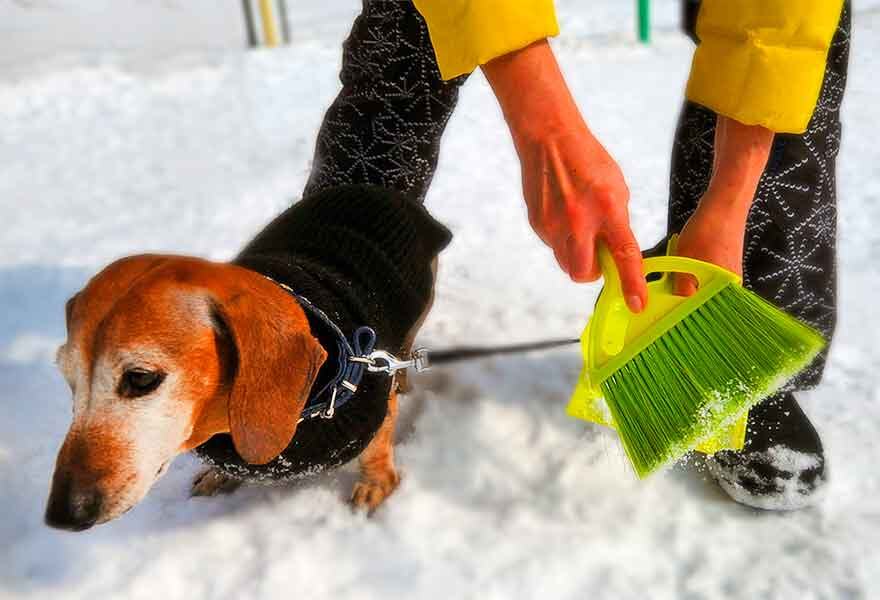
644 21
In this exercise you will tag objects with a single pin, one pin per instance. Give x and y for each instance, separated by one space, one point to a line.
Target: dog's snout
72 508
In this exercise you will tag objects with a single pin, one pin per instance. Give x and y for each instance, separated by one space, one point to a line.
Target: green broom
685 371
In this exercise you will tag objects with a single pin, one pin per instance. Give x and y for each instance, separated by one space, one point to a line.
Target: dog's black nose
72 509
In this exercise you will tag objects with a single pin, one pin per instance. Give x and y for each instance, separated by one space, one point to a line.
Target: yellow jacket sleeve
761 62
469 33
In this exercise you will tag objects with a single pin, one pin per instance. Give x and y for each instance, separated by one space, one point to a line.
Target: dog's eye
138 382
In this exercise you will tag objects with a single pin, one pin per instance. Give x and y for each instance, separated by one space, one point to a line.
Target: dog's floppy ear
274 361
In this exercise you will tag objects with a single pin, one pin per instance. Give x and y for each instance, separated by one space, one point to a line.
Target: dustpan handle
703 272
612 317
612 321
609 269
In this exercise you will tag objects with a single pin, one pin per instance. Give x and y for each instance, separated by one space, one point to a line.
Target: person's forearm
716 231
741 153
528 83
574 190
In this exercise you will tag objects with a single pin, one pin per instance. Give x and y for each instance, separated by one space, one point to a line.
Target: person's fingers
628 258
582 262
561 254
685 285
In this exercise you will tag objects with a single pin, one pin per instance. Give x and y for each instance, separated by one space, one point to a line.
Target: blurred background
132 126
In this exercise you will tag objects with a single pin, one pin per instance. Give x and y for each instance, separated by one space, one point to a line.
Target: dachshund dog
163 353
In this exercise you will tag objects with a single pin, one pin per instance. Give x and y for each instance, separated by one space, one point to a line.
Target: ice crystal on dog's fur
704 374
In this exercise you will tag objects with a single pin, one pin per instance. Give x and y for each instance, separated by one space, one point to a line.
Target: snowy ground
503 496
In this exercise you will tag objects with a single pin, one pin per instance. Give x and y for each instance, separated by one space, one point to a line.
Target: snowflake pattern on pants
789 255
384 127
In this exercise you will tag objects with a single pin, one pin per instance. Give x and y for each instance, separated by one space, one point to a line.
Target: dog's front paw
368 494
212 482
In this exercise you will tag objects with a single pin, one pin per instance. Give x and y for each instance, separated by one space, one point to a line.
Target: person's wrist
532 93
543 113
741 154
725 219
728 199
552 129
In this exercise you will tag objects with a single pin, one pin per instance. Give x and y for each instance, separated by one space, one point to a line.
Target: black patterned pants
384 128
789 255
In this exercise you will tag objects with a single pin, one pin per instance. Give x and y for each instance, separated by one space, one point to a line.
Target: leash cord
461 353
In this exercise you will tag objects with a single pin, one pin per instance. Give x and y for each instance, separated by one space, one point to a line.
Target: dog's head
162 353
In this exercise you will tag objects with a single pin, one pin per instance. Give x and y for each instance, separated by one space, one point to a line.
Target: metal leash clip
381 361
328 412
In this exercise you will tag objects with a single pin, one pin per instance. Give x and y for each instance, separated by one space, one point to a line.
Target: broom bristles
704 374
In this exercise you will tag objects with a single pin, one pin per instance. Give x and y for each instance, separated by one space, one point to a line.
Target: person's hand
712 235
577 198
575 192
715 233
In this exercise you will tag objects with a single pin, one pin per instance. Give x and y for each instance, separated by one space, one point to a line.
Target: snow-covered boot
781 466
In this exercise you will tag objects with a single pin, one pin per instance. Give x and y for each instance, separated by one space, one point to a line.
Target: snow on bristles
704 374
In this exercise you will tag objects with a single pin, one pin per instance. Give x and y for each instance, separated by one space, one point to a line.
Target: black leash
461 353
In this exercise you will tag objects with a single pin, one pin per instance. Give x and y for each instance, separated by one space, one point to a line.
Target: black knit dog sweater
362 254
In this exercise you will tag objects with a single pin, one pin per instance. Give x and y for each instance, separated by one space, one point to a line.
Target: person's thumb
685 285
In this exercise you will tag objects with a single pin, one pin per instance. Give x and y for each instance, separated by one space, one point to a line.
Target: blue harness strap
349 372
352 359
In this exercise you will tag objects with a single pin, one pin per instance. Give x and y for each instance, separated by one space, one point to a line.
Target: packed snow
503 496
